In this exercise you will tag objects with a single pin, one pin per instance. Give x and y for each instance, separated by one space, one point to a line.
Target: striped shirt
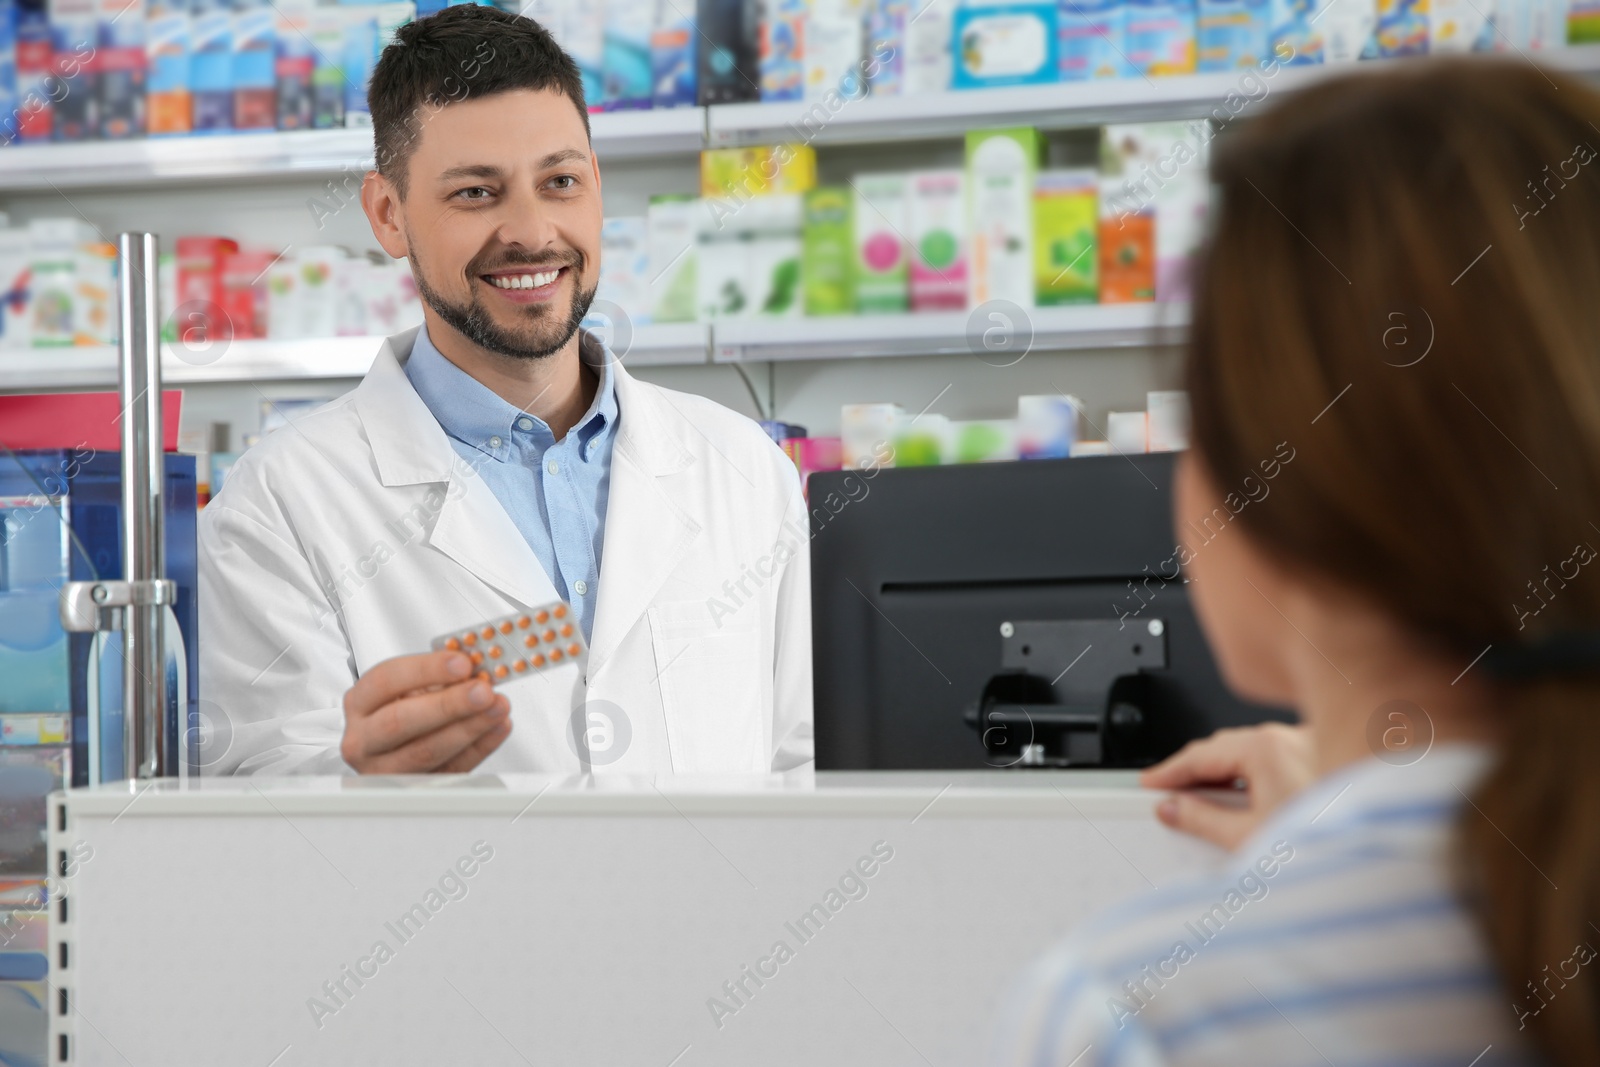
1334 936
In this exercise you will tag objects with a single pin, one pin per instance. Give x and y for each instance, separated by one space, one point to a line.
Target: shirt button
551 467
524 424
580 587
495 442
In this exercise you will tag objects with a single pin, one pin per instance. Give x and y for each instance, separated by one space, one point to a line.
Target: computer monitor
1006 614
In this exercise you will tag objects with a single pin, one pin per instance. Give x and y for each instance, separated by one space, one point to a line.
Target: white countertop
913 793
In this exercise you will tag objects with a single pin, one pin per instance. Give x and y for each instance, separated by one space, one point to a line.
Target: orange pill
505 627
537 660
531 640
524 622
566 631
549 635
520 666
561 611
485 676
469 639
541 616
494 653
477 658
574 648
555 655
500 671
452 644
488 632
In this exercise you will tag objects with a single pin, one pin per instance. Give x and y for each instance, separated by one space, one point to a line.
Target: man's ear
381 201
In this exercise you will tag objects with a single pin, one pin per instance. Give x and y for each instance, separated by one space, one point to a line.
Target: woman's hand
1271 762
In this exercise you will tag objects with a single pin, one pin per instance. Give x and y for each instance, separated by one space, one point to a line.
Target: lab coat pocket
709 674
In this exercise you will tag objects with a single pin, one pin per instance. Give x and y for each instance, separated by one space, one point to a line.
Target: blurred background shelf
294 154
1061 105
1009 334
95 367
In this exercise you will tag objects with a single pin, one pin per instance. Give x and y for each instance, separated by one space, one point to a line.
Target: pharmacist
492 461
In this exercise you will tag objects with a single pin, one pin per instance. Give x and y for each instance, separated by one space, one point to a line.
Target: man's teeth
523 281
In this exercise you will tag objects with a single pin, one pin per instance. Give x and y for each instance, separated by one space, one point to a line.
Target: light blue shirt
554 491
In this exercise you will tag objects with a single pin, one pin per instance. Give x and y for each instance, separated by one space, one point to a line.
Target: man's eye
477 192
567 181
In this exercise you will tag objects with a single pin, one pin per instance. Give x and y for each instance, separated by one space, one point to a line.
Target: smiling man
493 460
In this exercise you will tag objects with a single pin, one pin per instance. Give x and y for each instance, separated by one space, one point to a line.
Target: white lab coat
357 534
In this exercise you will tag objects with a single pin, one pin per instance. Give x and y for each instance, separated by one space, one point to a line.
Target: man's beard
474 323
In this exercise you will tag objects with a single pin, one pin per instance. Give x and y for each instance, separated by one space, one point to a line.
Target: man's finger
1218 758
1221 824
401 675
435 751
403 721
479 750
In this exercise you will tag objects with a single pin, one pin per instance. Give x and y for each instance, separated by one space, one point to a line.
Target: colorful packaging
200 295
1402 28
35 89
835 48
983 441
1160 36
1460 26
327 73
1156 169
1231 34
1293 31
813 454
95 294
243 284
1066 211
783 71
881 220
294 64
1348 31
1001 165
57 247
167 33
828 256
75 29
255 79
773 263
1127 432
316 266
350 296
735 173
120 65
16 263
625 266
722 280
792 169
1092 40
672 57
10 104
1583 22
167 293
938 230
360 52
1047 426
867 433
211 66
625 64
1128 258
729 51
923 441
670 226
584 38
928 56
886 44
1004 42
283 302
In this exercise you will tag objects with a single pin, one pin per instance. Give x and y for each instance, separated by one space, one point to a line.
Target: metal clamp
90 607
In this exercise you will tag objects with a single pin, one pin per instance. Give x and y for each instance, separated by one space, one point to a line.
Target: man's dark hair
462 52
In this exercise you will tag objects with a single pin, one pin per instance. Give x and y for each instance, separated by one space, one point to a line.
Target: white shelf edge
1056 105
1054 329
310 360
302 153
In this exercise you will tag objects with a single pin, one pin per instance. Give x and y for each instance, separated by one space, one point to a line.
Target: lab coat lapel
648 531
410 447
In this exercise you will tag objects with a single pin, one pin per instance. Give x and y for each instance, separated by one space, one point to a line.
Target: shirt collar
476 415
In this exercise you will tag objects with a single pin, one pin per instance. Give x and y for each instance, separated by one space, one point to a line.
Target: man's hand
1273 761
414 714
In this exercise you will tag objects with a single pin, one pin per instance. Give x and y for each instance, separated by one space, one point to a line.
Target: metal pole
144 676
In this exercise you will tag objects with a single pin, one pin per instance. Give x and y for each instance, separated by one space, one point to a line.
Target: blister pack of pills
514 646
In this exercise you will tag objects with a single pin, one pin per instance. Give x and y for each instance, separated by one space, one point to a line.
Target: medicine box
1001 166
881 221
1003 42
938 231
1066 208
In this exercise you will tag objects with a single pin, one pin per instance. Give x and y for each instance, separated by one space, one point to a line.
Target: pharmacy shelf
251 361
292 154
1062 105
999 336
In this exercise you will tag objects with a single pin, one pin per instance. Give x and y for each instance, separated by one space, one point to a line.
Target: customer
1404 285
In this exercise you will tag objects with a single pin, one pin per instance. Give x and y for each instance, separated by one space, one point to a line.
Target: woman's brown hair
1403 282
